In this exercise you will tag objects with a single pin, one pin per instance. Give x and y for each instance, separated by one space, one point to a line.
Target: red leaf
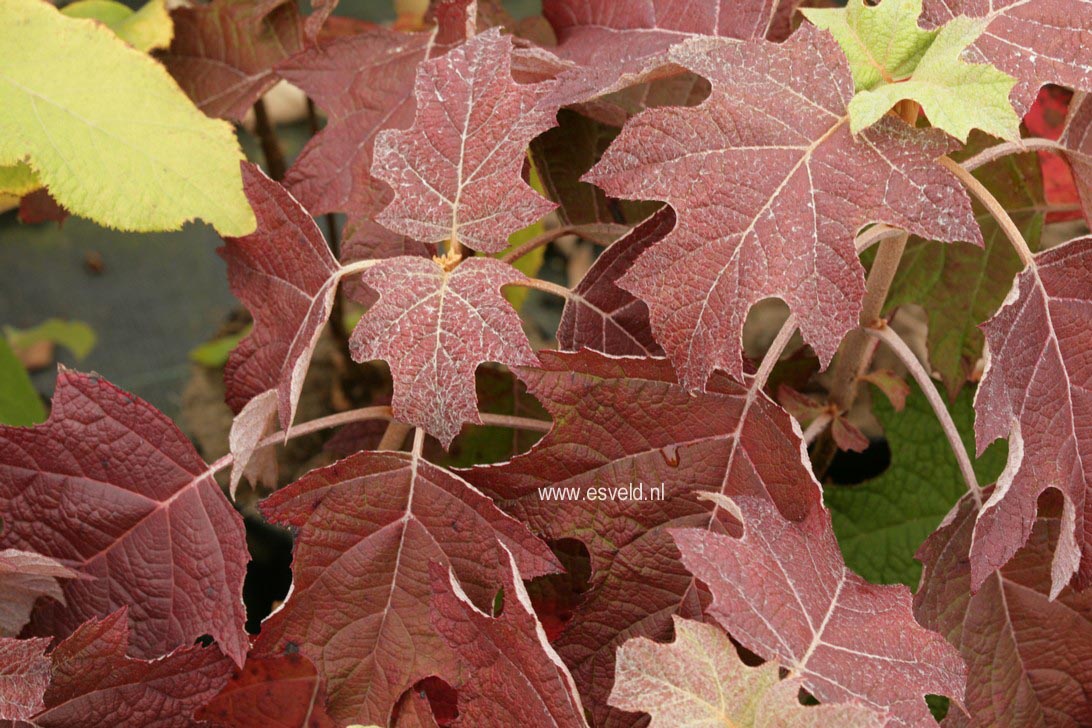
626 421
784 592
847 436
434 328
223 53
1046 118
284 273
111 488
39 206
273 692
1027 656
1037 42
1077 140
1035 392
513 676
95 684
457 171
604 317
24 677
368 526
25 576
793 189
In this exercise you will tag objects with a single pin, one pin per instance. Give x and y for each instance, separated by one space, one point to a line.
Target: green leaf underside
881 523
883 42
19 401
108 131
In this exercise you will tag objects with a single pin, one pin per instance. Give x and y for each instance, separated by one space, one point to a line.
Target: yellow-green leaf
18 179
107 129
956 96
145 29
882 42
76 336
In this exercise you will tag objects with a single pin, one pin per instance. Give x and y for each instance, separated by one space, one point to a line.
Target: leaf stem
267 138
394 436
536 242
1032 144
418 442
887 335
515 423
544 286
817 426
995 208
357 267
773 354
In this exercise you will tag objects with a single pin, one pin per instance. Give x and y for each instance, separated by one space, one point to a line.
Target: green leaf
19 401
960 285
956 96
882 42
881 523
76 336
214 353
107 129
145 29
18 179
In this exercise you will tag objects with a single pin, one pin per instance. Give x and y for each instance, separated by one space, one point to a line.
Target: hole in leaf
850 468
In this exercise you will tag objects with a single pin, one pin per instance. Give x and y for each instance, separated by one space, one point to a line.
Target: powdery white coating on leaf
1037 41
272 692
698 680
622 421
368 527
286 276
24 677
1037 391
457 171
784 592
512 674
223 53
1029 659
257 419
434 328
111 488
770 189
94 683
24 577
604 317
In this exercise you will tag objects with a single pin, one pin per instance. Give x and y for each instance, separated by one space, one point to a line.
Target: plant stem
816 427
997 151
887 335
995 208
515 423
418 443
544 286
394 436
357 267
875 234
267 138
536 242
773 354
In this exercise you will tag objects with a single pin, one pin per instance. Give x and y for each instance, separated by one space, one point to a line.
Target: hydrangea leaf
18 179
881 523
1035 392
456 171
24 677
622 422
434 327
1037 42
787 231
957 96
112 489
882 42
224 52
1077 142
20 404
154 167
24 577
367 529
848 640
512 676
145 29
1026 652
699 680
279 692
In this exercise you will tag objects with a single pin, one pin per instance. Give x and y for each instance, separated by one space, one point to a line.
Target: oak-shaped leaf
94 683
699 680
783 591
512 676
1037 42
112 489
435 327
604 317
793 188
286 276
24 677
367 528
1037 392
281 691
1026 653
223 53
24 577
623 426
457 171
